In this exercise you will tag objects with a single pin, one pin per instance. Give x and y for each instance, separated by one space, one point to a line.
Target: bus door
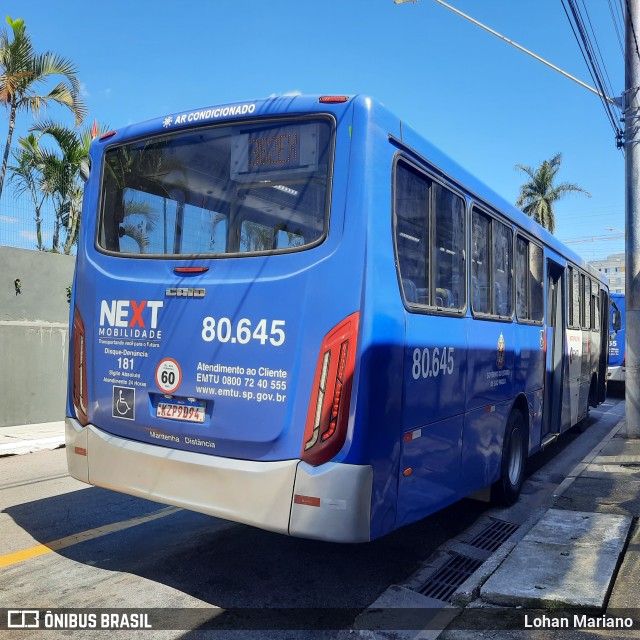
553 387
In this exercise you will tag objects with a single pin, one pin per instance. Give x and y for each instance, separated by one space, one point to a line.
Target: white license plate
188 413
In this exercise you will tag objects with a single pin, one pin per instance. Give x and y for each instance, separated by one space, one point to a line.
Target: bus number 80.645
430 363
224 330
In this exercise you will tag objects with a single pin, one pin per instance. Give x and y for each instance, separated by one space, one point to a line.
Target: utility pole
632 217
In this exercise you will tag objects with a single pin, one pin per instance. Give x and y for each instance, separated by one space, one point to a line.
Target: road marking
75 538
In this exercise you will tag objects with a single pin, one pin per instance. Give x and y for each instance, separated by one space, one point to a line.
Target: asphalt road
64 544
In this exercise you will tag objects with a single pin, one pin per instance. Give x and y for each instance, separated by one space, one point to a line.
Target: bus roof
408 137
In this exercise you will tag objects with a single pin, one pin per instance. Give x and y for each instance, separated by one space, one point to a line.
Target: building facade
613 267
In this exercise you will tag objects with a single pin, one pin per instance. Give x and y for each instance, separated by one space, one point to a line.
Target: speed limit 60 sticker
168 375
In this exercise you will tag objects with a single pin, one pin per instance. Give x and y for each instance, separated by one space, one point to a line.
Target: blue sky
481 101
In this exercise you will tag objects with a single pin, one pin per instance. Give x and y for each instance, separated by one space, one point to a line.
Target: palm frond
538 195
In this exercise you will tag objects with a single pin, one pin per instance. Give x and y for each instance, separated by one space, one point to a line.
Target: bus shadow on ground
240 568
231 565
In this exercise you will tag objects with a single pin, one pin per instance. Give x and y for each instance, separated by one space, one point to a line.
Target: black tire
506 491
593 393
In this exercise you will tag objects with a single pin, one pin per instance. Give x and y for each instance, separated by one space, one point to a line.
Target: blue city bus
298 314
616 369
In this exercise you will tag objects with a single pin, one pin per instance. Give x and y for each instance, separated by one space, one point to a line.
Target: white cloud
8 219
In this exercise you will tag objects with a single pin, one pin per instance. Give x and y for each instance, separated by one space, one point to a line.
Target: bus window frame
330 183
520 234
576 303
586 302
432 177
494 217
595 305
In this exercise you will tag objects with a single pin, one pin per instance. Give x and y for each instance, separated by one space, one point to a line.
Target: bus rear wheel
507 489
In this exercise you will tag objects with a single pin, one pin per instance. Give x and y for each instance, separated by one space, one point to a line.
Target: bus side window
503 269
529 286
576 299
587 303
595 307
412 232
427 213
480 275
522 279
491 265
536 283
449 259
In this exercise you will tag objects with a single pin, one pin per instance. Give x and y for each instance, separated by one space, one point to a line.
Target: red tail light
190 270
80 401
328 416
332 99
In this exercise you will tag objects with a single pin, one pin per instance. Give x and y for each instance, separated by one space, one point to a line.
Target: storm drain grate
492 536
444 582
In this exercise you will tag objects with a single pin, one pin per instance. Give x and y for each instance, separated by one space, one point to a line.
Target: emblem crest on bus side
500 352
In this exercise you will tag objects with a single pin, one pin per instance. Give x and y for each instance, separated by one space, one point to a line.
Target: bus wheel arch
506 490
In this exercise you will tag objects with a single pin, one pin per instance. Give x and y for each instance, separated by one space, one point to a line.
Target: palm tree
538 195
22 70
26 174
61 170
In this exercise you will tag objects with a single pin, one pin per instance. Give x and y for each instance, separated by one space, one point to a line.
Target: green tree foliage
25 174
55 174
539 194
23 71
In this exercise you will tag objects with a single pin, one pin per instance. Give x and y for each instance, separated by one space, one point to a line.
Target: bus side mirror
616 319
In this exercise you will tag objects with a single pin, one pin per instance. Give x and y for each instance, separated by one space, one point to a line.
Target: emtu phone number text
223 330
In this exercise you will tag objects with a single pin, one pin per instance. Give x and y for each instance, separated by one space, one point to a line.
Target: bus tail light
80 401
328 417
333 99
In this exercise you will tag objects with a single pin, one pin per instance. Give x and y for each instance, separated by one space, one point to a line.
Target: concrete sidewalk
28 438
579 554
581 557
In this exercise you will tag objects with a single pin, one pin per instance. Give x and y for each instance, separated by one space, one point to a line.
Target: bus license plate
188 413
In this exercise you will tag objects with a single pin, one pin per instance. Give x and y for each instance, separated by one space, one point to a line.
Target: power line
594 66
594 239
595 39
603 96
585 48
614 18
633 29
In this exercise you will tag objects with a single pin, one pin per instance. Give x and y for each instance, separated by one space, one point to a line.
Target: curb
22 447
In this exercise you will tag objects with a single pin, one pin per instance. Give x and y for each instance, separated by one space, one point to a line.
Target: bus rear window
234 189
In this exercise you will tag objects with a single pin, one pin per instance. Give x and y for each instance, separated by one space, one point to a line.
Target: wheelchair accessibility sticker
124 403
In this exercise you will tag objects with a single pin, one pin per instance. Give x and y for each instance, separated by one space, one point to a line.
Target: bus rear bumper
616 374
331 502
254 493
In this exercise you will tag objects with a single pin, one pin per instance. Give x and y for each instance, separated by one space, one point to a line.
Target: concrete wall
34 335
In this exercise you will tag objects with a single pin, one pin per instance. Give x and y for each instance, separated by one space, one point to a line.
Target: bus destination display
288 148
273 151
